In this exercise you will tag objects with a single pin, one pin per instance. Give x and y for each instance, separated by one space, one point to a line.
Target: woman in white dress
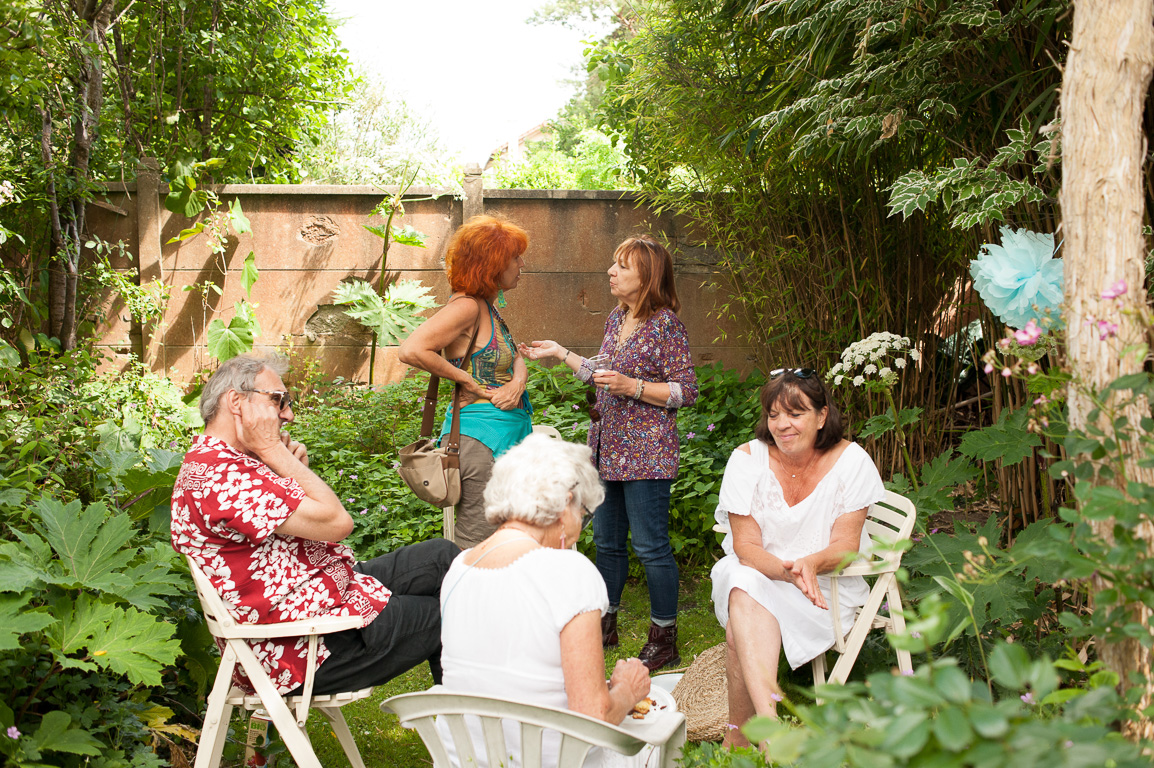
795 502
521 613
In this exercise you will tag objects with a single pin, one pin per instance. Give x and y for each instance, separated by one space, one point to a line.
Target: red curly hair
480 251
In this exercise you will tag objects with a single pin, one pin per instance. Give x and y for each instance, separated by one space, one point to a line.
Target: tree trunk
1103 148
67 206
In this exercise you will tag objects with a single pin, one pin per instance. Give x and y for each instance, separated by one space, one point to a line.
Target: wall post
148 266
474 185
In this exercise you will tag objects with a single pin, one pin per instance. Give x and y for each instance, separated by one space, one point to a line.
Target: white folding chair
887 523
287 713
579 733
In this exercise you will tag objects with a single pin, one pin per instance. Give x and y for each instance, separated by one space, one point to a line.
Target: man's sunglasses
283 399
801 373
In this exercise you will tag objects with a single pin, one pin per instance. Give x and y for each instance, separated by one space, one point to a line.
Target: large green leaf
91 545
240 223
54 735
227 341
1007 439
394 317
408 235
9 357
15 621
134 644
249 273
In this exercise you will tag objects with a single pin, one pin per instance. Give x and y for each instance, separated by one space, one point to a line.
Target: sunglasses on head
282 398
801 373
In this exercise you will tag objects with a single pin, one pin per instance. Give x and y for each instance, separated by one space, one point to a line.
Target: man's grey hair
240 374
531 482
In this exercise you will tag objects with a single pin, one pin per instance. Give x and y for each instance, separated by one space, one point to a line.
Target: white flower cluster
7 192
865 360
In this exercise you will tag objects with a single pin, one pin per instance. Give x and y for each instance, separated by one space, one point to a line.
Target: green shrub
100 637
353 435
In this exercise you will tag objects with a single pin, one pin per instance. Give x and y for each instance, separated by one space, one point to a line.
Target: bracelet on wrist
640 390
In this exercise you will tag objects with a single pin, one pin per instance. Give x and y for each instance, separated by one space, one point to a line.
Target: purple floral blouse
636 440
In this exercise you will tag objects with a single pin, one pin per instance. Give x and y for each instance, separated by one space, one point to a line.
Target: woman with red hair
644 376
485 259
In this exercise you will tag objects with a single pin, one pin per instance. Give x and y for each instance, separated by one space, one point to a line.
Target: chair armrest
317 625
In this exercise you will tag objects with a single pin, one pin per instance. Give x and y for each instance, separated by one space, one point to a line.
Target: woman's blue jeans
640 506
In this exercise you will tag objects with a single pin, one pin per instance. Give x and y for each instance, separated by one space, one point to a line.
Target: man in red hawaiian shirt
263 527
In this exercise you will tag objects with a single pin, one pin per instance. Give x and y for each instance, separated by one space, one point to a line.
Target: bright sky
475 66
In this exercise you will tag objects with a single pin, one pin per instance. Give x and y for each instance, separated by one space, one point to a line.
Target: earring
501 303
563 540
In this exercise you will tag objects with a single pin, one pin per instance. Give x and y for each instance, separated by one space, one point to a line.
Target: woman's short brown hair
801 394
480 251
654 266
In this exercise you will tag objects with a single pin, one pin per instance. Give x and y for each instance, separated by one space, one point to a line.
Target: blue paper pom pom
1020 279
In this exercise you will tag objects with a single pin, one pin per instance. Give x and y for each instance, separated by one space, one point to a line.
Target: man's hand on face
297 449
258 427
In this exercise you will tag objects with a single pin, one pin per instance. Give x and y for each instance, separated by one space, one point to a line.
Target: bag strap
453 446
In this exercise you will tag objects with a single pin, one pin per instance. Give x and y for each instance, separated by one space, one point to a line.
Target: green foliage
594 162
939 716
1008 439
374 136
391 319
96 622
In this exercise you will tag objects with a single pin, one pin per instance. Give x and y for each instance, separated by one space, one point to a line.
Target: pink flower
1027 697
691 435
13 732
711 427
1106 329
1028 335
363 511
1041 400
1004 343
989 368
775 696
907 673
1032 368
1114 291
1007 373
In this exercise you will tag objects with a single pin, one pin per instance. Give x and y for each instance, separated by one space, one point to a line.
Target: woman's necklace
622 336
804 470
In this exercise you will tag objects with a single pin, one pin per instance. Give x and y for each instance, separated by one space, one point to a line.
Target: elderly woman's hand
632 677
803 573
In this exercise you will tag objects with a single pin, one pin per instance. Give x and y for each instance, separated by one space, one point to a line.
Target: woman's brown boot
661 648
609 630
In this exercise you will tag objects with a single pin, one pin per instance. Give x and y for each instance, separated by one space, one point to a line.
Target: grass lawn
383 742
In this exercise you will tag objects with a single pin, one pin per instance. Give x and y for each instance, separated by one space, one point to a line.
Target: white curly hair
531 482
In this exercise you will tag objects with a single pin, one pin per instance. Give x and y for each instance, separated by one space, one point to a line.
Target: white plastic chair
887 522
579 733
287 713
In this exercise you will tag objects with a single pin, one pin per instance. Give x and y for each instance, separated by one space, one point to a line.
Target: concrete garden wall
307 239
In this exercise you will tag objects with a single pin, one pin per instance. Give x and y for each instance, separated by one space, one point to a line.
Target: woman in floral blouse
646 376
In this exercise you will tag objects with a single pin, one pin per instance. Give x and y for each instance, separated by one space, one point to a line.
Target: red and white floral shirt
226 507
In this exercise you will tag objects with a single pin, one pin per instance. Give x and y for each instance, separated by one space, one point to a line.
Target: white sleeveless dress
749 487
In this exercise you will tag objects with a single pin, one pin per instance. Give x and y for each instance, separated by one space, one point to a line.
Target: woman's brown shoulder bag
434 473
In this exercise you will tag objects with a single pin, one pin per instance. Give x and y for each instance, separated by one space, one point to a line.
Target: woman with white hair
521 613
